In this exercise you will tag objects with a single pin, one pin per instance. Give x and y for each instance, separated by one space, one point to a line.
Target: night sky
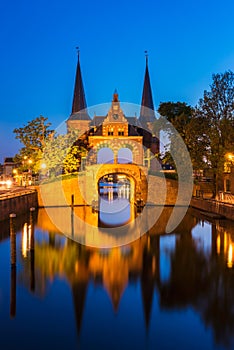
187 42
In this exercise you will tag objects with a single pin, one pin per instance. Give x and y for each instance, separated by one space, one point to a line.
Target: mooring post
72 222
72 215
32 254
13 239
13 266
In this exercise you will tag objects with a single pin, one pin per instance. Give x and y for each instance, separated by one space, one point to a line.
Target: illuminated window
121 132
228 185
111 132
227 167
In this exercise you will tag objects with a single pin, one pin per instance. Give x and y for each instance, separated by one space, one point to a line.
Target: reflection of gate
115 207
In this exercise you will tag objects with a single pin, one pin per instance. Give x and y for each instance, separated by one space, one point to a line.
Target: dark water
162 291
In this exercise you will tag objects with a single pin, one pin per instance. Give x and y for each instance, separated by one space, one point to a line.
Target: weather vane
146 55
78 51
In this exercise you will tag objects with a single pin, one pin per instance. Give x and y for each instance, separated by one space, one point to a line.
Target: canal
162 291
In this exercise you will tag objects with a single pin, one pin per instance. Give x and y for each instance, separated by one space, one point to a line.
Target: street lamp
230 157
27 171
30 172
44 171
43 166
15 175
229 162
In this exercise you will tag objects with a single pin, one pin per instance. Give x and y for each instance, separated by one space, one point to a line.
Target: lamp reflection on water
26 239
218 244
224 244
230 256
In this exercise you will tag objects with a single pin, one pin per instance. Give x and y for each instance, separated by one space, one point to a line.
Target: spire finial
115 96
146 56
78 52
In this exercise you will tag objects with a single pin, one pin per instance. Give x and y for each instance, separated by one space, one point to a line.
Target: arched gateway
135 173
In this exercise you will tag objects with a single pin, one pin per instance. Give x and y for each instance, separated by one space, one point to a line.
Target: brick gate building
125 139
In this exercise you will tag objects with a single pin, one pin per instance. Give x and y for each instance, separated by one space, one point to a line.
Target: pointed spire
79 101
147 106
115 96
147 286
79 290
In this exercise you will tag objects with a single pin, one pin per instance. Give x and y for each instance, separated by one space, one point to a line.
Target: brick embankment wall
163 191
58 193
17 203
215 207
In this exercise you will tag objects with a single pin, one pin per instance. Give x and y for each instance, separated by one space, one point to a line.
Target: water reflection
225 245
191 269
13 268
114 213
115 207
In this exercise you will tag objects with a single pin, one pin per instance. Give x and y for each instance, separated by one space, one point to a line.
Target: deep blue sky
187 42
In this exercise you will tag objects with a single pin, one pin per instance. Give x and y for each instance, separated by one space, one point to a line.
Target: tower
147 115
79 118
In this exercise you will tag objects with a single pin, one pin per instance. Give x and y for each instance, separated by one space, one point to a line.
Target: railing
225 197
8 195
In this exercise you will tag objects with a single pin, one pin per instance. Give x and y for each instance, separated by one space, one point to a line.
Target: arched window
105 156
124 156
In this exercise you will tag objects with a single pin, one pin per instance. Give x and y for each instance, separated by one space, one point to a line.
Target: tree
63 153
179 114
178 120
216 109
168 160
73 159
48 152
33 136
53 155
196 140
174 110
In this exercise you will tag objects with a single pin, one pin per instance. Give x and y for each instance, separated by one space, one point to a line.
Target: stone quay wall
83 188
168 192
17 203
59 193
212 206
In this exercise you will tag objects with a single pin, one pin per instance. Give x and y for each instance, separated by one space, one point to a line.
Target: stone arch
102 144
116 144
135 173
